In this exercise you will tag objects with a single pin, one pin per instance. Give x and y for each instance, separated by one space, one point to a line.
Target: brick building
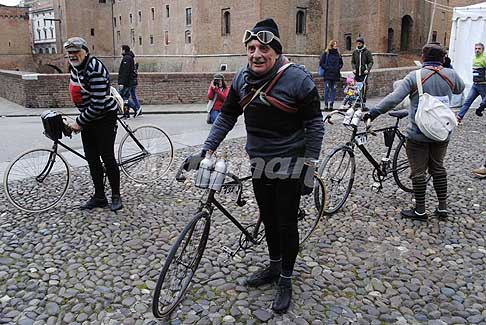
15 46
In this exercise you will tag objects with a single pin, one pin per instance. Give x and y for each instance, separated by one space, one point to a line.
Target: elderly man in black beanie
284 124
424 154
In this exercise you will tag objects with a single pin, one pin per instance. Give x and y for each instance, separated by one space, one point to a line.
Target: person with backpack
89 87
284 126
331 62
425 152
128 80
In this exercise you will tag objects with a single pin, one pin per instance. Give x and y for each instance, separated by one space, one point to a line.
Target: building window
300 22
188 37
9 44
153 13
38 34
131 18
151 39
132 33
140 40
38 23
226 22
118 35
166 37
119 20
347 41
167 11
45 34
102 1
188 16
92 31
53 50
434 36
52 33
139 16
114 21
41 51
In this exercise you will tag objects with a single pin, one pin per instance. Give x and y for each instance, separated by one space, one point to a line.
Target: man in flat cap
281 106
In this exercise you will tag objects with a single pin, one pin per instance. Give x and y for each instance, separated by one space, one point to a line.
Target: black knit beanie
269 24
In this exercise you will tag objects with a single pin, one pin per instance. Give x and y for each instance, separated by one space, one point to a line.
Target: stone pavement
363 265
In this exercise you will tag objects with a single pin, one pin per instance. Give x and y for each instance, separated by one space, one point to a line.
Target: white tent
468 28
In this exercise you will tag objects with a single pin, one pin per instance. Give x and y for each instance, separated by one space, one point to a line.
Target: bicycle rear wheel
180 266
310 213
401 167
337 172
37 180
145 155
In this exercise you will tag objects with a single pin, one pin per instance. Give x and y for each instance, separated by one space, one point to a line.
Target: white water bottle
356 117
348 116
218 175
204 172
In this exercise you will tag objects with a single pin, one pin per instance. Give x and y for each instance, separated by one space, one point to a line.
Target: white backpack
434 116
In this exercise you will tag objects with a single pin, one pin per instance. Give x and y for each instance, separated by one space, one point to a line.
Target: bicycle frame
396 132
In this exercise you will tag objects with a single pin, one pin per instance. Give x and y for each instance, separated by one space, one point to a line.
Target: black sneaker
283 296
262 277
412 214
116 203
441 214
95 202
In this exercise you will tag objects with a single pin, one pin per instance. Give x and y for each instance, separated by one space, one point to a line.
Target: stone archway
406 33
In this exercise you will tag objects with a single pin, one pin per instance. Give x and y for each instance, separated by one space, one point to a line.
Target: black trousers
98 142
278 201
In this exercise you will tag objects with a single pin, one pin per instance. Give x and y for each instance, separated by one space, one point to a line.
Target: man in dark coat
127 80
362 62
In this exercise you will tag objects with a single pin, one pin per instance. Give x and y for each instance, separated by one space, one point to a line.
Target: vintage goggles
75 44
263 36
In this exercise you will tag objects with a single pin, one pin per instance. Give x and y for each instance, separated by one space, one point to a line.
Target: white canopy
468 28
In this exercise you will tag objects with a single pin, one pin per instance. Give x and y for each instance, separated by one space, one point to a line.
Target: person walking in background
217 93
424 154
362 62
89 87
331 62
128 80
479 80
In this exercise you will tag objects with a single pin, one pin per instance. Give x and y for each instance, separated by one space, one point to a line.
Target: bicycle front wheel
37 180
180 266
401 167
337 172
310 213
145 155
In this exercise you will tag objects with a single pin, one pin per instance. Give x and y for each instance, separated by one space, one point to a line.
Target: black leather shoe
441 214
95 202
116 203
412 214
282 298
262 277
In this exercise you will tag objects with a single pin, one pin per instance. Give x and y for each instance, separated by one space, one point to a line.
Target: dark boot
262 277
95 202
116 203
412 214
283 296
441 214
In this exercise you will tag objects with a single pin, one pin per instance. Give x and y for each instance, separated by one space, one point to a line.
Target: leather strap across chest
434 70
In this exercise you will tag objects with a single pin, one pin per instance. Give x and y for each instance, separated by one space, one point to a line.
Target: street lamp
60 31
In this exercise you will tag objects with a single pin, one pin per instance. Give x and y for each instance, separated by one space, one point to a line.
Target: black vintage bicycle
38 179
339 167
186 253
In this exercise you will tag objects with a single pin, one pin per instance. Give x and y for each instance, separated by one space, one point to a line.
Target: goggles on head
74 45
263 36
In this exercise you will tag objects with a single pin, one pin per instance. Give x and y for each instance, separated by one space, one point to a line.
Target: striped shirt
94 84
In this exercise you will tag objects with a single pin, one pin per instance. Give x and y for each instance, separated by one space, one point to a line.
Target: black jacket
332 63
361 60
127 74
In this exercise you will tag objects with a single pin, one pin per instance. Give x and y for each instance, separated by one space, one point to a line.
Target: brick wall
154 88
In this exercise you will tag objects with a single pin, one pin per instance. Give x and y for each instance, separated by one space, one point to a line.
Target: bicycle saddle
399 114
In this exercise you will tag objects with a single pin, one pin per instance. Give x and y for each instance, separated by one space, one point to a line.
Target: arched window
41 51
226 22
347 41
300 22
407 23
45 34
187 37
390 40
434 36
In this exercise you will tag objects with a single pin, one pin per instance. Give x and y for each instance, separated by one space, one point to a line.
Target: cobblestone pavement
362 265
